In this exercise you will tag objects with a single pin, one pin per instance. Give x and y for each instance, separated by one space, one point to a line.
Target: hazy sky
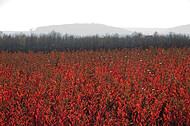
27 14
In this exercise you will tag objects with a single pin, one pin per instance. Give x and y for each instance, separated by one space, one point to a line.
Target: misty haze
100 29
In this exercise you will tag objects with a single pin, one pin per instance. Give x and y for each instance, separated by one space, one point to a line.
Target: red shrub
127 87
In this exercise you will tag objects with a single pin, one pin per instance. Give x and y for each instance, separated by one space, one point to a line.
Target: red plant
127 87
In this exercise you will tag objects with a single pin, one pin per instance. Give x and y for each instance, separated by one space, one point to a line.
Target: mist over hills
100 29
149 31
82 29
183 29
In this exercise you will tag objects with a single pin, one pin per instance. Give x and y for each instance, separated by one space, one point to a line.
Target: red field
127 87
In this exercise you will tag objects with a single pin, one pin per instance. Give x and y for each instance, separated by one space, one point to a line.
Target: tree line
56 41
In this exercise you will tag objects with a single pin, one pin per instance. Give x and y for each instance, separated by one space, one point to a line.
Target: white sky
26 14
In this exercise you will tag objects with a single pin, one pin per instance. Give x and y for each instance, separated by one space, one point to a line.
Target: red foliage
127 87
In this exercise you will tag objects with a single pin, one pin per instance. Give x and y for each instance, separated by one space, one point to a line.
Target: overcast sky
26 14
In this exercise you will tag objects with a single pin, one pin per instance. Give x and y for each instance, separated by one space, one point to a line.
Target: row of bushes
56 41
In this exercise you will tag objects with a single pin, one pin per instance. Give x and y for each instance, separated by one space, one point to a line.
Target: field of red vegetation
114 87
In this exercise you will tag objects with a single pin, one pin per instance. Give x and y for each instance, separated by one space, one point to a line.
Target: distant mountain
82 29
100 29
184 29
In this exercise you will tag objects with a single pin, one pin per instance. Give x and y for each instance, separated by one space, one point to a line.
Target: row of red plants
114 87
